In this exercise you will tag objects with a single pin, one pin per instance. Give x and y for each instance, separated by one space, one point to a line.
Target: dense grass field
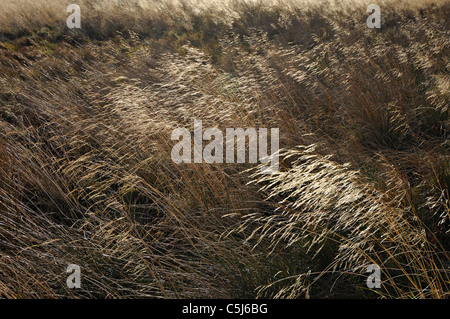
87 178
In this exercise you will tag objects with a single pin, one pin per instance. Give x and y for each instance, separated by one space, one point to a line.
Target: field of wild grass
86 175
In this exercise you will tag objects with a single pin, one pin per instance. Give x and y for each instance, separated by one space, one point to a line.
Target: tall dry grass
87 178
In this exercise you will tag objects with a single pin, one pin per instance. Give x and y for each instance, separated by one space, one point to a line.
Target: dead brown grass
87 177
